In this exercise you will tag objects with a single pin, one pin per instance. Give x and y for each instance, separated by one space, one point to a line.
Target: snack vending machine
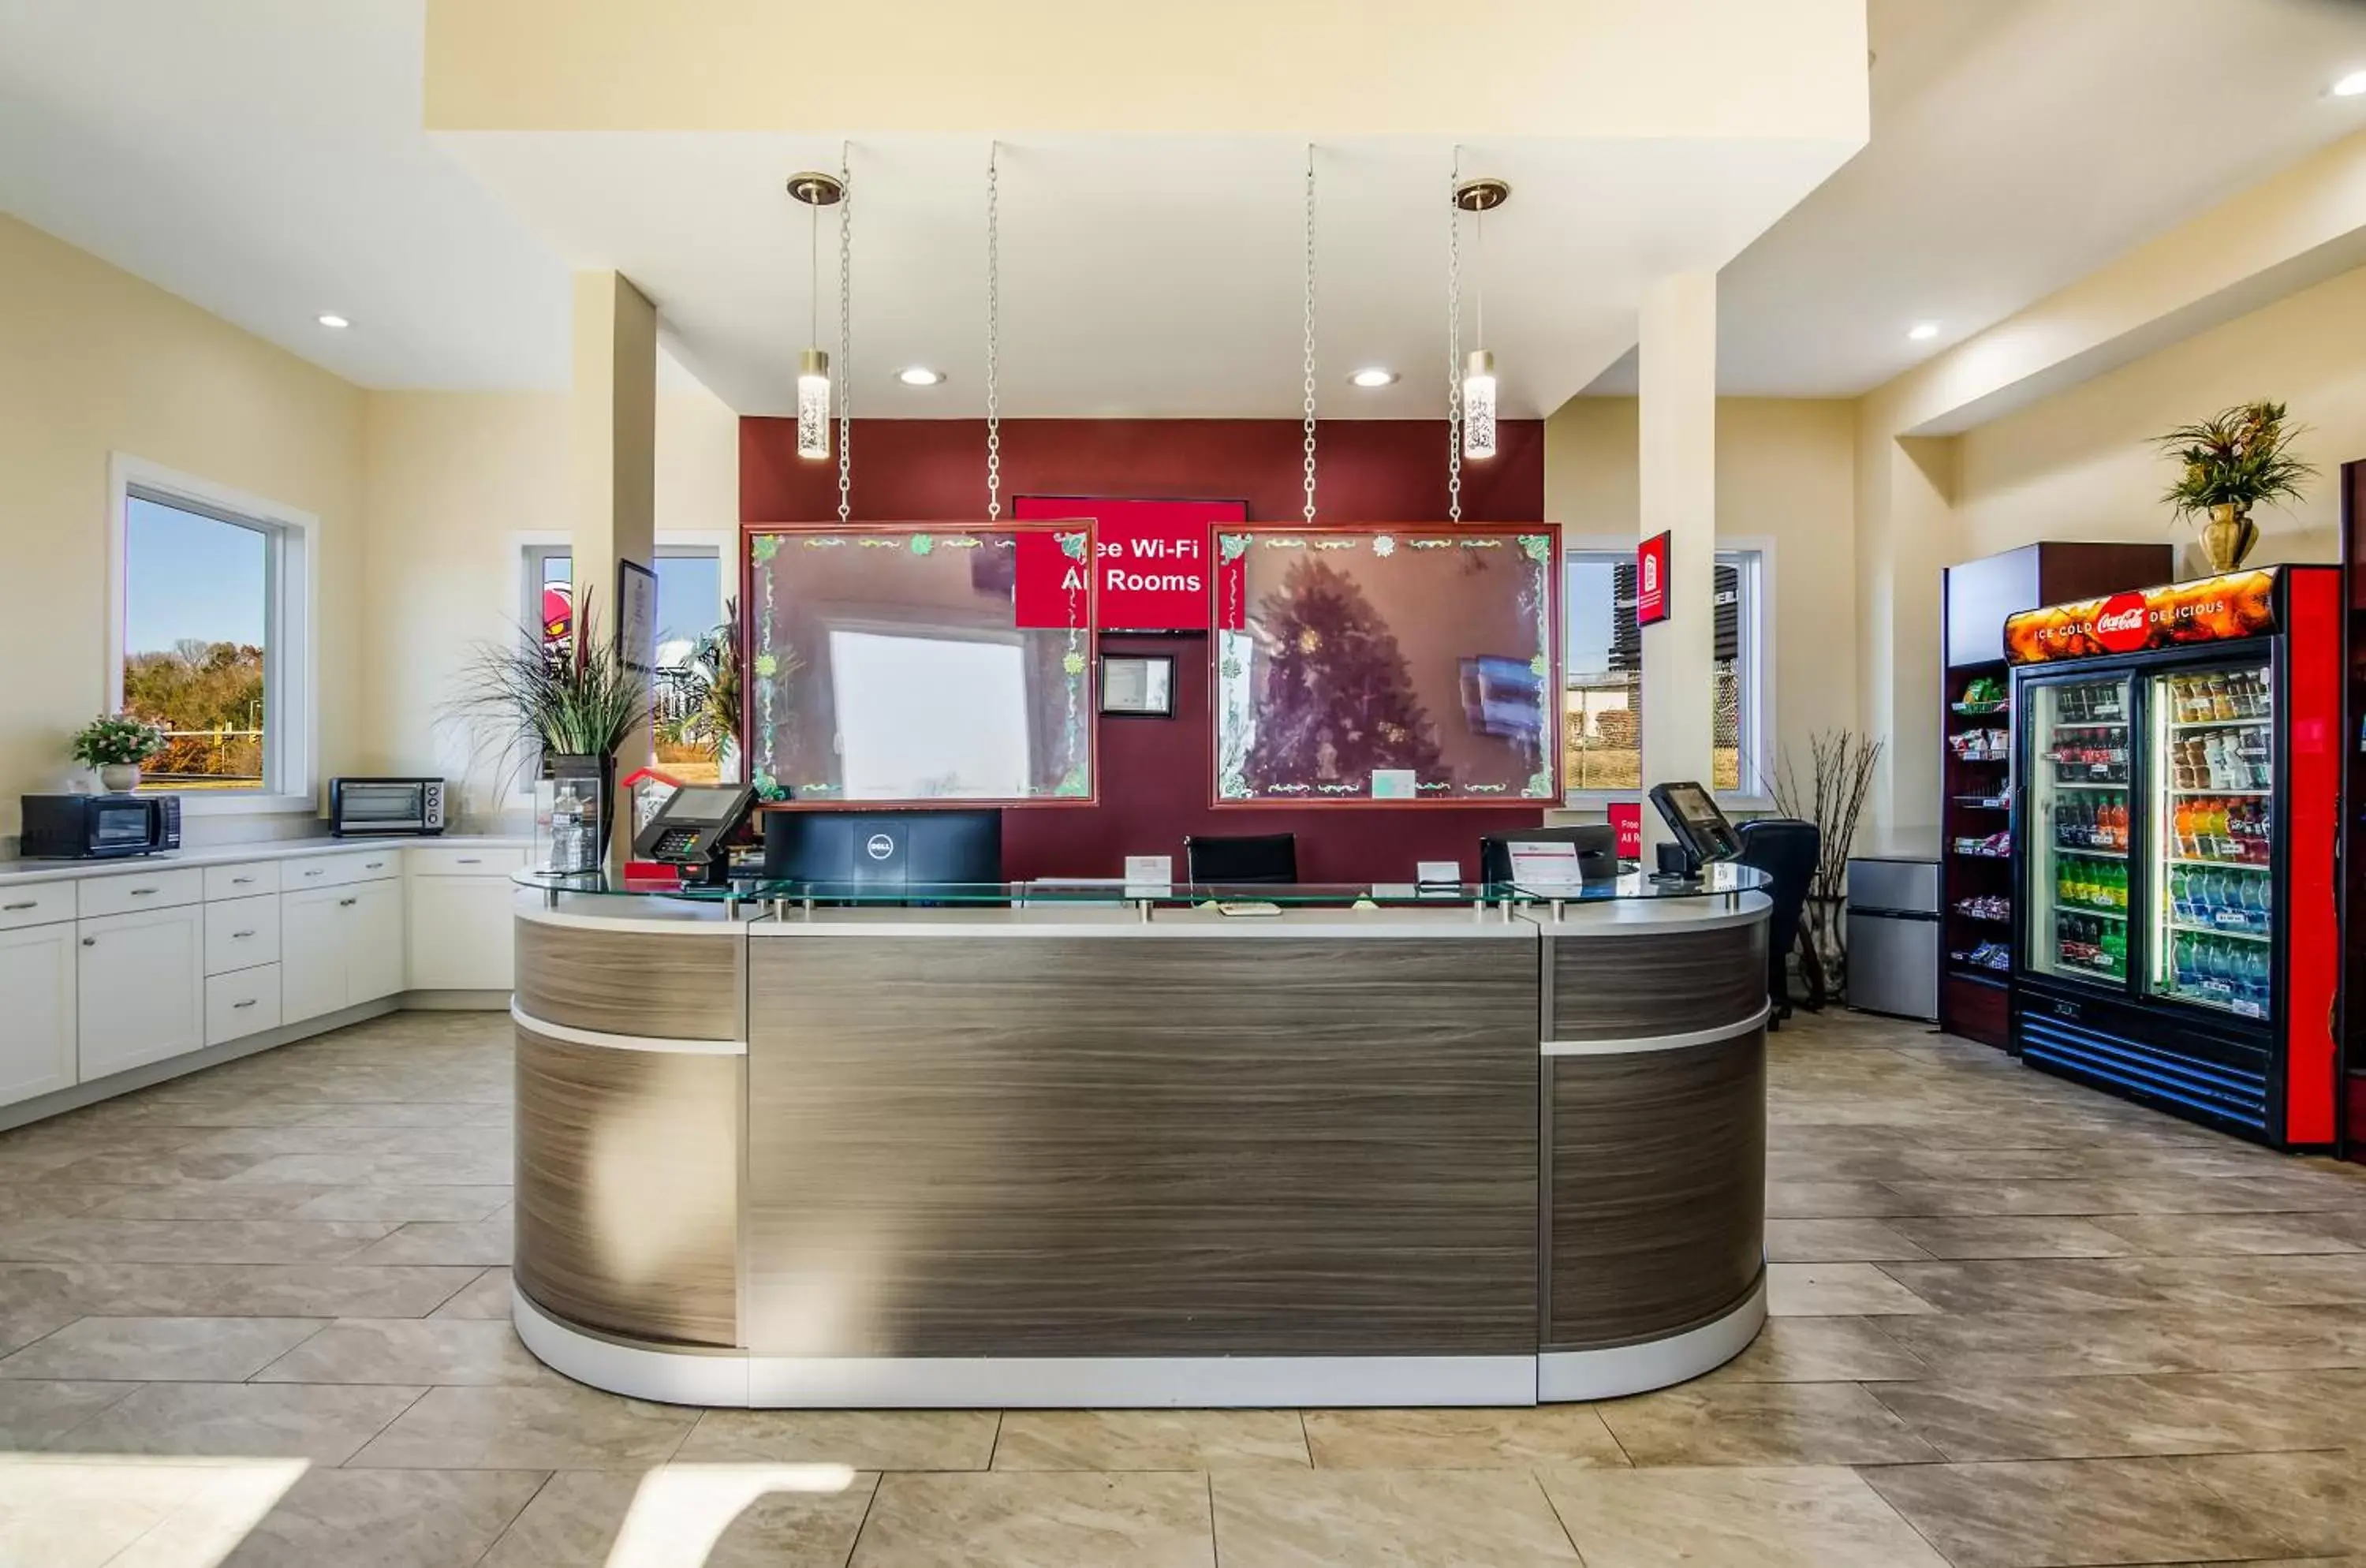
2175 933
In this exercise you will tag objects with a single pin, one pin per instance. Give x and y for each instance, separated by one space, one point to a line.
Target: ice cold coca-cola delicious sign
1151 558
2210 609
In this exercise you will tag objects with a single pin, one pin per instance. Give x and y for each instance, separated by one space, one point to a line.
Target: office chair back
1246 857
1785 849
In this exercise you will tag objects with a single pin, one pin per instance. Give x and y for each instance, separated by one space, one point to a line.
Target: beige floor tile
33 1414
1769 1424
440 1351
1824 1349
1570 1434
543 1428
2074 1511
2186 1236
1148 1439
484 1242
96 1240
86 1512
2100 1417
1050 1519
767 1517
198 1201
2111 1284
488 1295
859 1439
1837 1241
324 1425
1832 1200
226 1290
1380 1519
401 1205
2072 1344
2317 1501
2015 1235
1837 1290
386 1518
1804 1518
160 1350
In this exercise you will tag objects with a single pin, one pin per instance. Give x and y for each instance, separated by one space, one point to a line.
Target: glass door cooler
2178 939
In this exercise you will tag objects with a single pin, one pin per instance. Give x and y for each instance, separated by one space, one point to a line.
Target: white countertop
18 872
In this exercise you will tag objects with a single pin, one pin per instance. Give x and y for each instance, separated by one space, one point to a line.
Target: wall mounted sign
2210 609
1140 684
1151 560
636 615
1627 818
1651 581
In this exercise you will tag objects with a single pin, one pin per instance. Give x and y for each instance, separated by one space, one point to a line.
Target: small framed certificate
1139 683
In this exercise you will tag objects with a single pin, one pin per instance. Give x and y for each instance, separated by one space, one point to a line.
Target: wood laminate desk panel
1052 1144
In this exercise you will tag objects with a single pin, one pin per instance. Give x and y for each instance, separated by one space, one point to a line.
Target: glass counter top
1716 881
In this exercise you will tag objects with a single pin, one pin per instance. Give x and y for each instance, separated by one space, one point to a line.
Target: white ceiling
263 159
1142 275
2018 145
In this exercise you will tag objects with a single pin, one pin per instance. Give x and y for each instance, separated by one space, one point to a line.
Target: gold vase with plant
2230 463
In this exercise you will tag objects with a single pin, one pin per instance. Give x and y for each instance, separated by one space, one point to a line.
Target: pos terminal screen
1693 817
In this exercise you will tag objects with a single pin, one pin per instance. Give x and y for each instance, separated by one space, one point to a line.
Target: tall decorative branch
1840 764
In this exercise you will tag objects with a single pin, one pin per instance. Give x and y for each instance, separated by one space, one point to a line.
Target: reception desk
1140 1154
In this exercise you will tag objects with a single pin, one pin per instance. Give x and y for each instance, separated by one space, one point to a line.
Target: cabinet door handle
315 871
464 859
27 904
90 942
347 903
248 1003
373 865
142 892
239 936
240 881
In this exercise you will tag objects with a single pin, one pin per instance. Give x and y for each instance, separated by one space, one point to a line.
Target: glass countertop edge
1717 881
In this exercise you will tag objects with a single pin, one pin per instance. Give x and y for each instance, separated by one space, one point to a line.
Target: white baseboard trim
735 1379
1566 1375
456 1001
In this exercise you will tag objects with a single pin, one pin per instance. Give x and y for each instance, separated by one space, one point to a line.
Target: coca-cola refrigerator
2176 935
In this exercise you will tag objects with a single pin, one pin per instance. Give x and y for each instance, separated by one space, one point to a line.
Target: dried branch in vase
1840 764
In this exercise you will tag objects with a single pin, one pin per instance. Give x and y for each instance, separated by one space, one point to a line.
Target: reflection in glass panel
1385 665
913 667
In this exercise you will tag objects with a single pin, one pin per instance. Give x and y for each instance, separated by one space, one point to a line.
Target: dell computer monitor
874 853
1597 851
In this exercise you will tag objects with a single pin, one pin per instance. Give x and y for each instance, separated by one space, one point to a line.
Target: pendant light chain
993 333
845 339
1308 370
1454 343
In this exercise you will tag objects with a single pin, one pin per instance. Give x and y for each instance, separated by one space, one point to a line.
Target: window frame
1753 556
291 653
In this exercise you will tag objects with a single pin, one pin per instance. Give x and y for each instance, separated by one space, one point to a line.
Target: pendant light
1480 196
816 190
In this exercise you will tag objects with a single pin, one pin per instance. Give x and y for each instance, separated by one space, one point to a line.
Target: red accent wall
1155 774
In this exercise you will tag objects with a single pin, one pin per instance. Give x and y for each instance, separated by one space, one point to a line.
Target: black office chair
1248 857
1785 849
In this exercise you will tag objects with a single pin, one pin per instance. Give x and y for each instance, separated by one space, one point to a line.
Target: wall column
1905 537
1677 495
613 437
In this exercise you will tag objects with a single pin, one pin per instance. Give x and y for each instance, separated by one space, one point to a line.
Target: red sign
1053 586
2210 609
1651 581
1150 561
1626 816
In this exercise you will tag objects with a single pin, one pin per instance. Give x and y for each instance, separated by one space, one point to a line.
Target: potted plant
116 744
565 708
2231 462
706 697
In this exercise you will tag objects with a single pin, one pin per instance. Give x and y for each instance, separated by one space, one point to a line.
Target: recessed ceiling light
2351 86
331 318
920 376
1923 332
1373 376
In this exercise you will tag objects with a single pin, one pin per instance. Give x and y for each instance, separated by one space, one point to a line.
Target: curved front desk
1073 1155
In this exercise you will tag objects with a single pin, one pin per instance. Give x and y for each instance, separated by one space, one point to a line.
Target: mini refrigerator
2175 935
1894 936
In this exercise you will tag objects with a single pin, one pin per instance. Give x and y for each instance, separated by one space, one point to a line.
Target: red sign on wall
1651 581
1153 559
1627 817
1054 585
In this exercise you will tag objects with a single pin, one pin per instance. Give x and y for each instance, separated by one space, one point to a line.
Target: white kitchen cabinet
37 1003
373 912
461 931
140 989
339 946
243 1002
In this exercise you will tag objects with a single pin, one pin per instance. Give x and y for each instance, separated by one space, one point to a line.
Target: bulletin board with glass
919 664
1392 663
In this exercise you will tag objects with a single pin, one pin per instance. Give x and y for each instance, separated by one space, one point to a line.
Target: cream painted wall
2080 464
93 361
452 480
1786 471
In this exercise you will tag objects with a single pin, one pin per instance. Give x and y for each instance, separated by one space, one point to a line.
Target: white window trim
292 752
1757 634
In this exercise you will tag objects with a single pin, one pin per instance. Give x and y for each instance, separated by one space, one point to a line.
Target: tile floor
259 1316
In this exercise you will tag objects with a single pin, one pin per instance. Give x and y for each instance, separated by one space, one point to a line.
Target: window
211 594
1602 730
690 607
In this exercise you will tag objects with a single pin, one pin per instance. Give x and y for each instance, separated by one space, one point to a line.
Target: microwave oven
99 827
384 805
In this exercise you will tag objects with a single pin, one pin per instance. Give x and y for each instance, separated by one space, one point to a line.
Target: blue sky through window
188 577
